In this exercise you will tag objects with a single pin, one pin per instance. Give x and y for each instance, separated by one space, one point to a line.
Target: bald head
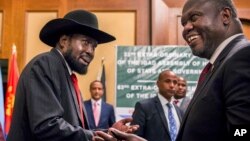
207 23
167 81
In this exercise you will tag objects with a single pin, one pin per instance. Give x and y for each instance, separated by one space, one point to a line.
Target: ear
226 15
63 41
158 83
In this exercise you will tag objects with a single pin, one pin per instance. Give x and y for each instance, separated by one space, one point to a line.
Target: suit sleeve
237 88
111 116
45 111
139 118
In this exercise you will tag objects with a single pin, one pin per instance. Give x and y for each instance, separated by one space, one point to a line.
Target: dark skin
96 90
205 28
166 83
121 135
181 88
119 128
78 50
204 31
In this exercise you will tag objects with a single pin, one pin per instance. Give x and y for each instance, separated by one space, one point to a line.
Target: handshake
120 131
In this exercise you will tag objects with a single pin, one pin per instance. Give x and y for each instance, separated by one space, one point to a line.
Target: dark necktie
172 122
79 98
1 133
204 73
176 102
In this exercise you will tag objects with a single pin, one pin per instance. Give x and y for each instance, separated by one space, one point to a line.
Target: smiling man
222 99
48 104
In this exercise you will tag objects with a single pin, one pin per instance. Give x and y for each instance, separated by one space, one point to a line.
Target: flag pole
102 78
100 70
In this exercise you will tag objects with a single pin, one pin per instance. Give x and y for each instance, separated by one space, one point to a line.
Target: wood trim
140 7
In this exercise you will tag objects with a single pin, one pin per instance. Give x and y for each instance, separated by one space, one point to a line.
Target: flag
1 100
101 77
13 76
2 138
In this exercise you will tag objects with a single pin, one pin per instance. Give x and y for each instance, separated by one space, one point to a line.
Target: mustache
87 57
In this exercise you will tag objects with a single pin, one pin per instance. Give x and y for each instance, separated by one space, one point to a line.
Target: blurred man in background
180 98
101 115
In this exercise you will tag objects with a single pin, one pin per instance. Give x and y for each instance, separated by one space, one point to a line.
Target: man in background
157 117
101 115
180 98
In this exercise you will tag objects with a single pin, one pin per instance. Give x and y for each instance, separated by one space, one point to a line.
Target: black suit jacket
46 106
149 115
184 103
107 116
222 100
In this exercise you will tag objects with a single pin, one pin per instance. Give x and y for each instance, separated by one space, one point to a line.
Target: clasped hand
120 131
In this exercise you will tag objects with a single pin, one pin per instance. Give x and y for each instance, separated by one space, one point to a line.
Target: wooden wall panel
33 45
5 8
19 28
1 28
140 7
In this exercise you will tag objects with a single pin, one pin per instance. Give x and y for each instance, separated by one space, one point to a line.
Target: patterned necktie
204 72
96 113
172 123
79 98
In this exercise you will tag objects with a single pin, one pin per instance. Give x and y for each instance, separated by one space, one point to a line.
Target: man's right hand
116 135
122 126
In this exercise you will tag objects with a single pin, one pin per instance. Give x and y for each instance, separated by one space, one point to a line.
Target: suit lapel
69 81
102 112
89 110
162 113
183 102
73 94
85 114
178 111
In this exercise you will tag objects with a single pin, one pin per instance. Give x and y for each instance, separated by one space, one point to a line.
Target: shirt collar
221 47
98 101
163 100
67 65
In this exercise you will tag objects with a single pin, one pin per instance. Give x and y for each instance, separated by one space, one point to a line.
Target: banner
13 76
138 67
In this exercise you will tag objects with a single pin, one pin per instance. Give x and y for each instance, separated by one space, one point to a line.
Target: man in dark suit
152 114
48 105
101 115
221 101
180 98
